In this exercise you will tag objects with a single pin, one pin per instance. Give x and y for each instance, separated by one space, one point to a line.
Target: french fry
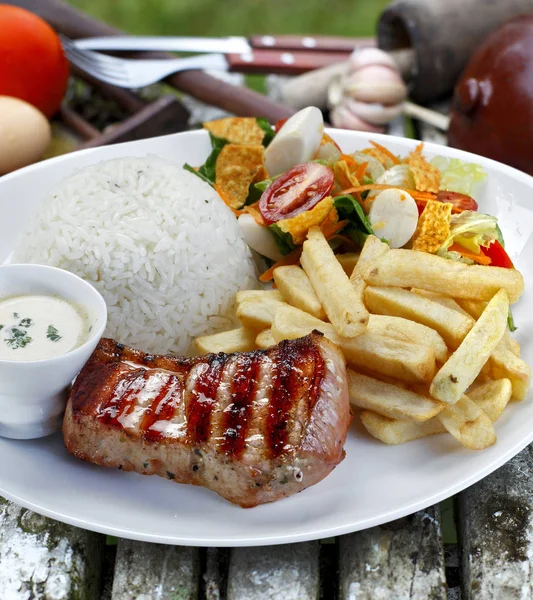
296 289
475 309
468 424
343 307
394 431
258 313
244 295
492 397
444 300
372 250
408 269
265 339
503 363
235 340
450 324
409 331
348 260
465 364
406 361
390 400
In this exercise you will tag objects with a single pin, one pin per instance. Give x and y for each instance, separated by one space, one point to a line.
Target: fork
129 73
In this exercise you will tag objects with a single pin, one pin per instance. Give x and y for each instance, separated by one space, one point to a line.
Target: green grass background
238 17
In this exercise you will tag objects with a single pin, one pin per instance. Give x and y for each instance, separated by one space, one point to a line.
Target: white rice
156 241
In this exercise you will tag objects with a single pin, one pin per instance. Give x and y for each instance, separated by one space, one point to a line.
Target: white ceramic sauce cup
33 393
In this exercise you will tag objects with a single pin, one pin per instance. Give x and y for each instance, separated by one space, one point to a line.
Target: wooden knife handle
283 62
318 43
240 101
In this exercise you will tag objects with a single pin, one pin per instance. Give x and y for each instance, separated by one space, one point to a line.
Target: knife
225 45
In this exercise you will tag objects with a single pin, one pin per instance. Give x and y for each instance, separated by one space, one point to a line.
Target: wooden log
495 525
443 35
403 560
155 572
290 572
161 117
240 101
41 558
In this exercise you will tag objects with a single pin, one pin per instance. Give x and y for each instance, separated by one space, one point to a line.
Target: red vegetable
279 124
461 201
32 64
296 191
498 256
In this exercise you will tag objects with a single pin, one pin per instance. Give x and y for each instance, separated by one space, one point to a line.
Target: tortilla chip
299 225
238 166
433 227
344 178
427 177
237 130
378 154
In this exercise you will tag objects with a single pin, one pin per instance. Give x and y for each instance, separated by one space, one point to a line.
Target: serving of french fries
425 338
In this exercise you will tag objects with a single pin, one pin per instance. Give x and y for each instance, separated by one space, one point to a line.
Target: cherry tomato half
498 256
296 191
461 201
279 124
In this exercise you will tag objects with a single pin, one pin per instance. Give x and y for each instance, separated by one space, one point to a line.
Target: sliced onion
329 152
375 169
399 176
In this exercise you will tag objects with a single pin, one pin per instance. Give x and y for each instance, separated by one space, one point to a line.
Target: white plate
373 485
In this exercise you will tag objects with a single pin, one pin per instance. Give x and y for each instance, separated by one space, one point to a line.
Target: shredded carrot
291 259
349 160
419 148
253 210
381 148
226 201
480 258
361 170
330 229
370 186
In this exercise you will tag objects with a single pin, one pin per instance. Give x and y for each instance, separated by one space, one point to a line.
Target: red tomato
32 64
461 201
498 256
295 191
279 124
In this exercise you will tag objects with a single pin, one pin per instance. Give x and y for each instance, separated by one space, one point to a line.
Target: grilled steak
253 427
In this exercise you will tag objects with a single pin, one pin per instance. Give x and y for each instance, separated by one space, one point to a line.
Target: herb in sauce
52 334
15 315
1 327
26 323
19 339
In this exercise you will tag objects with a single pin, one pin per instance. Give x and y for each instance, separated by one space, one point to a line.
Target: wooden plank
403 560
290 572
496 527
155 572
41 558
215 573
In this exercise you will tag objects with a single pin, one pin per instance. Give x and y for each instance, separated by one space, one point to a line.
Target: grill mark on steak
122 401
162 408
236 415
280 397
203 397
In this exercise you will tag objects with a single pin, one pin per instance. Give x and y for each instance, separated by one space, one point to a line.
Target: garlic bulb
369 94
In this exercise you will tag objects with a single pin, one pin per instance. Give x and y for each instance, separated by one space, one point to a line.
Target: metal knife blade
228 45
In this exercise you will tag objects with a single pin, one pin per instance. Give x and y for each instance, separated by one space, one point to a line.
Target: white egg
394 216
259 238
296 142
24 134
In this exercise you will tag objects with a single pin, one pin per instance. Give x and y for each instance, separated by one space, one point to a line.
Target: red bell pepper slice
498 256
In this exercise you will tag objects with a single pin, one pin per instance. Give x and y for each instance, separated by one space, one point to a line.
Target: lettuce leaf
188 167
457 175
283 239
268 129
471 230
359 227
208 169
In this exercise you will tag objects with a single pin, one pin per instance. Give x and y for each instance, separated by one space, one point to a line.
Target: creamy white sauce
36 327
